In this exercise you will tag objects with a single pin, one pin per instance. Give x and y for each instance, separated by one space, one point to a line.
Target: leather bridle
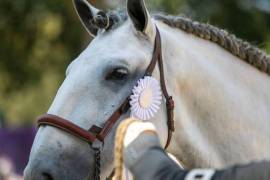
95 135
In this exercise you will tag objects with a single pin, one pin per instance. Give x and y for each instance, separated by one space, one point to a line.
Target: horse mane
229 42
239 48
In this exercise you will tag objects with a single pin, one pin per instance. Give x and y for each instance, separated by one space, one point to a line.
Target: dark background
40 38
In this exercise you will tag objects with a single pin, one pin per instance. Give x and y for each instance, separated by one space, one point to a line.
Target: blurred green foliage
40 38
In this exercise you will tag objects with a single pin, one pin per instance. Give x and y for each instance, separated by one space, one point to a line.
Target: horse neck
222 103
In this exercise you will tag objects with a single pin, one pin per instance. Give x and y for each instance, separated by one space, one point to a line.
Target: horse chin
57 155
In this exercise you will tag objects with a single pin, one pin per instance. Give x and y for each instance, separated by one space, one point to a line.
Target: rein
95 135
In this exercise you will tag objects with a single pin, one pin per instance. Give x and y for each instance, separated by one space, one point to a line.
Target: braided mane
234 45
239 48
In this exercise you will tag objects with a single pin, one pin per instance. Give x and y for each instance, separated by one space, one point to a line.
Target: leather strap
55 121
93 133
157 56
169 99
96 132
113 119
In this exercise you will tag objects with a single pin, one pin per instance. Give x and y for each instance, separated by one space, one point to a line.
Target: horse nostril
47 176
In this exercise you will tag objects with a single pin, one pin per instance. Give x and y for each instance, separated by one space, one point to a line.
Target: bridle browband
95 135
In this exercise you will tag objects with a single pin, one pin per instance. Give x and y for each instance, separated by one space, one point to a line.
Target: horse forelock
117 18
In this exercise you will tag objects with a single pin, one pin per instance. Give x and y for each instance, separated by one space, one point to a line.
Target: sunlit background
39 38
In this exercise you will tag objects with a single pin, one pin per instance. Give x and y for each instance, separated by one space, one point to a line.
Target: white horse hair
222 104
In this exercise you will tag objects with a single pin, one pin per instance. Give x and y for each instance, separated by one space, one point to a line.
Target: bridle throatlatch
95 135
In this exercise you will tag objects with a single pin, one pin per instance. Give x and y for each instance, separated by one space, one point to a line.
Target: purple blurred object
16 145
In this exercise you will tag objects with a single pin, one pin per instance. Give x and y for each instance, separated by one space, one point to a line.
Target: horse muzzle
59 156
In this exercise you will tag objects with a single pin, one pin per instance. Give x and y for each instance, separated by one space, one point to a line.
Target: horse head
96 84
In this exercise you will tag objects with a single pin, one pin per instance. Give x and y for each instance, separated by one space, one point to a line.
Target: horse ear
140 16
87 12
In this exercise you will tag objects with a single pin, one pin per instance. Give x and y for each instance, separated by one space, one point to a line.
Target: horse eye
117 74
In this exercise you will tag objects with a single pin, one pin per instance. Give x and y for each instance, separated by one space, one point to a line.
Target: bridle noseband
95 135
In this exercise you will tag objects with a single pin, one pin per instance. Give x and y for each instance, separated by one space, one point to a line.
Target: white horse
222 103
